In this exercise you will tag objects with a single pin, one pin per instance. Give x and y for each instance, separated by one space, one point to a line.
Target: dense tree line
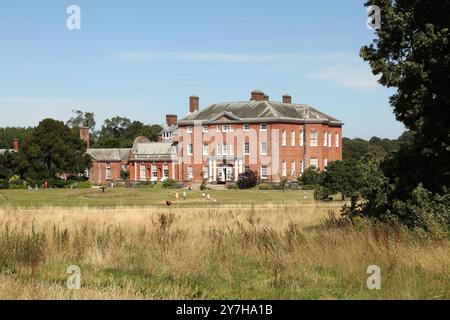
9 133
357 148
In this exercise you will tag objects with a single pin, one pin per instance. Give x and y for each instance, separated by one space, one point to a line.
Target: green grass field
144 197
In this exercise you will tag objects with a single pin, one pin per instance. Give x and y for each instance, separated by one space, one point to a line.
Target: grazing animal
169 203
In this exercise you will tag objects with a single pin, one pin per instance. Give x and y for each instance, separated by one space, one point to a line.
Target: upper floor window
219 149
329 139
283 138
264 148
205 149
189 129
205 129
246 127
292 138
325 139
313 139
337 140
301 137
246 148
190 149
225 149
263 127
225 128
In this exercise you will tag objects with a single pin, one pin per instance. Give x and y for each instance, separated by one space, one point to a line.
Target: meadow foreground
266 251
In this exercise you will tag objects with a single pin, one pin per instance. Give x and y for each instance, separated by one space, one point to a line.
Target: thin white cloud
220 57
348 75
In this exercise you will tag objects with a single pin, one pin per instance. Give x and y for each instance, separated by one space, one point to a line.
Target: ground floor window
143 172
283 169
190 173
205 172
302 167
293 169
314 163
154 172
108 171
166 171
264 172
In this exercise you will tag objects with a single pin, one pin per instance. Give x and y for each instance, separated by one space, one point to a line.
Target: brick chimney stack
84 135
16 145
266 97
257 95
287 99
194 104
171 119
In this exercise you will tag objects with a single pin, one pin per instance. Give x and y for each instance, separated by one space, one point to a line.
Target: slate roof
109 154
155 151
257 111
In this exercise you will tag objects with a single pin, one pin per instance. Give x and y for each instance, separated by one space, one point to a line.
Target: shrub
168 183
264 186
4 184
124 175
247 180
311 176
231 185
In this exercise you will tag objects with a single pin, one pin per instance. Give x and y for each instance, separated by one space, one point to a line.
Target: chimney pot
194 104
257 95
84 135
16 145
287 99
171 119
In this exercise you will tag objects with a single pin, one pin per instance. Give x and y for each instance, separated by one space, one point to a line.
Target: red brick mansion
275 139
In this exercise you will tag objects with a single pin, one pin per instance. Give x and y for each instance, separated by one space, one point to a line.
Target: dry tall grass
267 251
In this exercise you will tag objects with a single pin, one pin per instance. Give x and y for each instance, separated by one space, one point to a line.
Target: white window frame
206 149
263 127
205 172
292 168
292 138
301 138
263 152
325 164
246 153
313 138
205 129
190 149
329 139
189 129
154 172
325 139
283 138
284 169
231 152
316 161
225 149
142 169
302 167
246 127
108 171
263 175
166 168
337 140
190 172
219 149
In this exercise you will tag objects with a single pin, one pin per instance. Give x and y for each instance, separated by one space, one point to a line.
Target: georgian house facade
275 139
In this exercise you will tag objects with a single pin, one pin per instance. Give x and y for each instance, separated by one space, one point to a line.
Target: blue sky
143 59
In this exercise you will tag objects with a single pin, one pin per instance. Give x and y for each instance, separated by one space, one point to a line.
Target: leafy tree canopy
52 149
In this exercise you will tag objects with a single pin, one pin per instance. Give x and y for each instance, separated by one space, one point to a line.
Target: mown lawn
145 197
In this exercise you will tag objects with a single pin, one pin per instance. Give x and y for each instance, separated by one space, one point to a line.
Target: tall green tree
343 177
82 119
51 150
411 52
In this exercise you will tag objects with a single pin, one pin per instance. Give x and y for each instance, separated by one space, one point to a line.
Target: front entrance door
225 173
